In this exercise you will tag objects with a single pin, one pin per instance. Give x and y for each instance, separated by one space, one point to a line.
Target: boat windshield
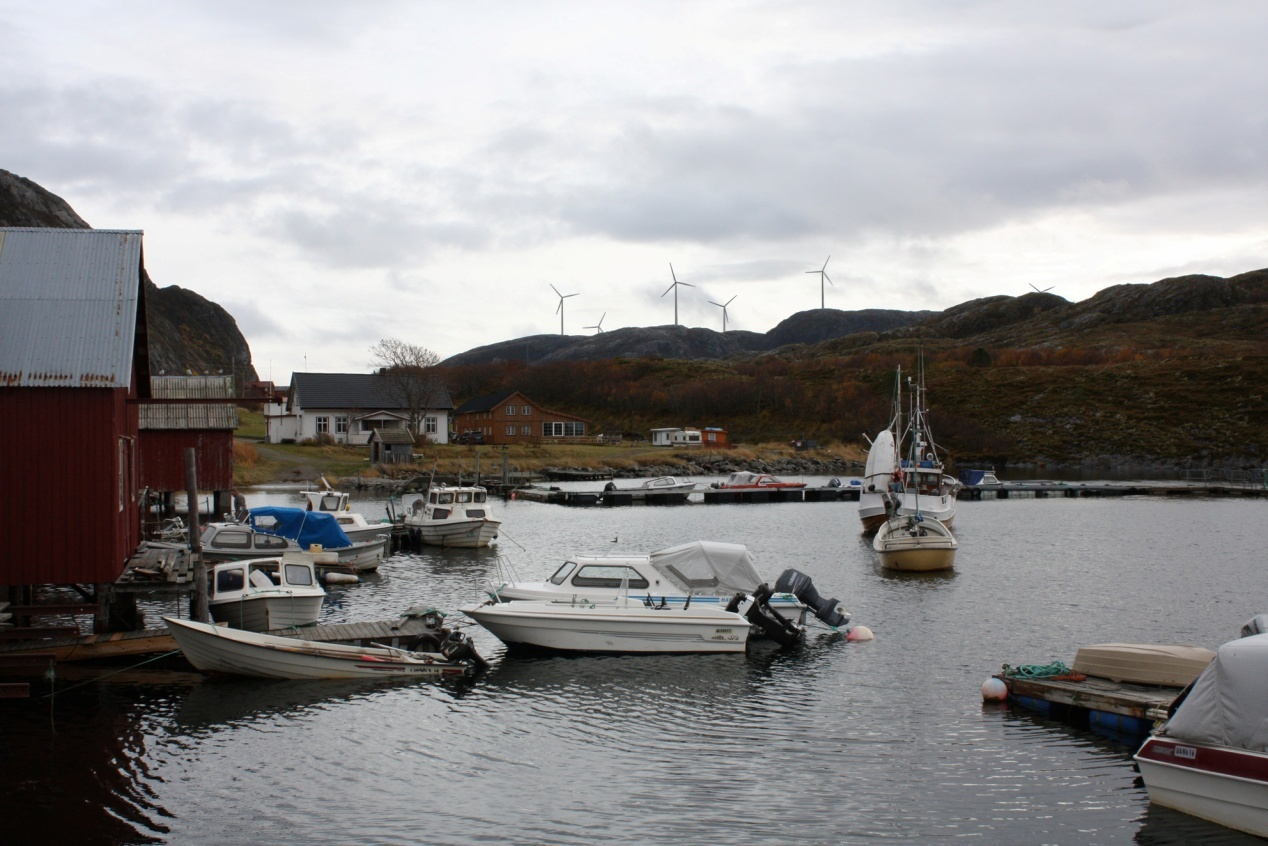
562 572
609 576
299 574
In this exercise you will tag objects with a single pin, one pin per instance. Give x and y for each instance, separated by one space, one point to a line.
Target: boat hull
260 613
1220 784
220 649
613 628
918 548
462 534
784 604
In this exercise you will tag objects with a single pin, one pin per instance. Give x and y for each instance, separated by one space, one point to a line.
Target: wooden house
512 418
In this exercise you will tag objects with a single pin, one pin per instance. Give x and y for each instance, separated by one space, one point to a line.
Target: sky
336 173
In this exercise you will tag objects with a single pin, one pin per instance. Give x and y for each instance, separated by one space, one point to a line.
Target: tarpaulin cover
304 527
1228 705
708 567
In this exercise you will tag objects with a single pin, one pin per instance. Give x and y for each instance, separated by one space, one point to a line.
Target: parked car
471 437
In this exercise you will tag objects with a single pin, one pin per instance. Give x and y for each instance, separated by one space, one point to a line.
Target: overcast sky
334 173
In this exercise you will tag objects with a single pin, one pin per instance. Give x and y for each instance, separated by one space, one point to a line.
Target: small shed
391 446
664 437
715 438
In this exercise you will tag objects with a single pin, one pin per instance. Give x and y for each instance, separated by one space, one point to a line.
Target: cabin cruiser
452 516
746 481
1210 759
262 594
699 573
319 532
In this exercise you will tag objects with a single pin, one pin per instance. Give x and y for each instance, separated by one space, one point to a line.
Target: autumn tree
406 373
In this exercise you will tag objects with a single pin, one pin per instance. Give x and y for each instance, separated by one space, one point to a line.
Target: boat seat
261 579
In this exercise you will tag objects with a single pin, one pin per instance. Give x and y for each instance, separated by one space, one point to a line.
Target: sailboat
891 483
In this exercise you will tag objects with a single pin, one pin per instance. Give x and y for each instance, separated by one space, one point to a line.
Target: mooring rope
1055 670
115 673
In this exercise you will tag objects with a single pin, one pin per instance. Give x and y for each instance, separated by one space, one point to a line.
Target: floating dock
1073 490
1121 708
709 496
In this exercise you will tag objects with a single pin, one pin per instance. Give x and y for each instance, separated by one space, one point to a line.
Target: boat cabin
236 540
239 579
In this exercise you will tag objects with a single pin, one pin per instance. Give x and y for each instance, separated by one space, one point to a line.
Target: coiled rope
1055 670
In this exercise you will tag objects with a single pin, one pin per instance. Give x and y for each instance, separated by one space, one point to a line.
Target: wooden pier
1074 490
1131 710
709 496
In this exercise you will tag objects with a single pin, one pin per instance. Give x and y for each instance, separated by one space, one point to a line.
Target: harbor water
830 743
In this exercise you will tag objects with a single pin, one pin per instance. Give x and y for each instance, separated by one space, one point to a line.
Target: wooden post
198 610
477 478
506 473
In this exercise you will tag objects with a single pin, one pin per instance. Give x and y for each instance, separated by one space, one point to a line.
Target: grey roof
392 436
488 402
354 390
68 307
201 415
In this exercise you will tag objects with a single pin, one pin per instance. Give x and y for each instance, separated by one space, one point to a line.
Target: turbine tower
823 274
599 325
723 307
674 288
560 310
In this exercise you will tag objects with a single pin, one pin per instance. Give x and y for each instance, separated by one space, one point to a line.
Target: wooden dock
1074 490
1131 710
709 496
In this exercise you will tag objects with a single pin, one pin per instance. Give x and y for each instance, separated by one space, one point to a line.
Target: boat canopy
304 527
708 566
880 458
1228 704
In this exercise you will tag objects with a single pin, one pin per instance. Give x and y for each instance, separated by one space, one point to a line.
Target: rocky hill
187 332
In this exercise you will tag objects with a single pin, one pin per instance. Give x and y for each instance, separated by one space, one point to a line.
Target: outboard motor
756 609
1257 624
799 585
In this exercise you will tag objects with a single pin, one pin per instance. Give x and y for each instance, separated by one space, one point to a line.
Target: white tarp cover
1228 705
708 567
880 459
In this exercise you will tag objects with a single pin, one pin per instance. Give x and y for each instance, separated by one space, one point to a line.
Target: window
323 425
341 425
560 429
607 576
231 540
510 411
510 430
526 430
299 574
228 581
526 410
562 573
429 425
548 430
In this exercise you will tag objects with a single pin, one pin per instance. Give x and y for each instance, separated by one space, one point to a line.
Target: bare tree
405 373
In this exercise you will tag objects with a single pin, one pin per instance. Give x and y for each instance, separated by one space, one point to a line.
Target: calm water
835 743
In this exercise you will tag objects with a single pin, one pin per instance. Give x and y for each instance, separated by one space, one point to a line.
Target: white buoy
994 690
858 634
340 579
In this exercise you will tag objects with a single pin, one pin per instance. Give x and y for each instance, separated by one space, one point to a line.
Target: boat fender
859 634
994 690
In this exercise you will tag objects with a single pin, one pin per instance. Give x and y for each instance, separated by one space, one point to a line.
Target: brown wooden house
512 418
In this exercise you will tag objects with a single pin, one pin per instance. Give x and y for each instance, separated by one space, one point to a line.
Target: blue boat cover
304 527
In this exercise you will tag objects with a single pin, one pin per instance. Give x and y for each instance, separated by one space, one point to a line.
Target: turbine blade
829 278
556 290
825 262
670 288
688 284
671 271
728 302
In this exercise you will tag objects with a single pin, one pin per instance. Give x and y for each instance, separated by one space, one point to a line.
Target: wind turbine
560 310
598 325
823 274
674 288
1042 291
723 307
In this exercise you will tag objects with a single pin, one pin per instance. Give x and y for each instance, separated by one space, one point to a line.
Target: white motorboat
702 572
620 626
668 487
911 543
212 648
452 516
1210 759
319 532
748 481
261 594
338 504
919 475
236 541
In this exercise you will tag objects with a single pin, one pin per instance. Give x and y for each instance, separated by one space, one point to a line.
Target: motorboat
227 541
319 532
667 486
618 626
903 463
1210 758
452 516
339 505
213 648
910 542
745 481
261 594
699 572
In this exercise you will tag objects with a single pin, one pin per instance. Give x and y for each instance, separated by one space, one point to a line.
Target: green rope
1037 671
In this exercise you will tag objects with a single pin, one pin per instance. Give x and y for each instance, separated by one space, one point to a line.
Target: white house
348 407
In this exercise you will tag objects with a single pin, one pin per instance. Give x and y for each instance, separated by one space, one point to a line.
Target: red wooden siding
163 458
72 519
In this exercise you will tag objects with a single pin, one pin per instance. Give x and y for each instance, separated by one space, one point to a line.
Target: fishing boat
319 532
617 626
747 481
339 505
452 516
1210 759
903 463
260 594
213 648
699 572
911 543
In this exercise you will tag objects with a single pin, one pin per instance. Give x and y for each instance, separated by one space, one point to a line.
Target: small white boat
338 504
235 541
746 481
702 572
212 648
659 485
452 516
261 594
1210 759
911 543
614 626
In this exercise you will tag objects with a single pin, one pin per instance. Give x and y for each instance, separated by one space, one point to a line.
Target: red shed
74 362
169 428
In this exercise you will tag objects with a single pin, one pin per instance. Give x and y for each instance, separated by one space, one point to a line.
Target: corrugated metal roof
68 307
194 415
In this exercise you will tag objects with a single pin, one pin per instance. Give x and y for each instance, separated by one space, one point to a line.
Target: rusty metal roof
68 307
195 415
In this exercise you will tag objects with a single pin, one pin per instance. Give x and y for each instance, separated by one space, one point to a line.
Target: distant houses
348 407
510 417
690 438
